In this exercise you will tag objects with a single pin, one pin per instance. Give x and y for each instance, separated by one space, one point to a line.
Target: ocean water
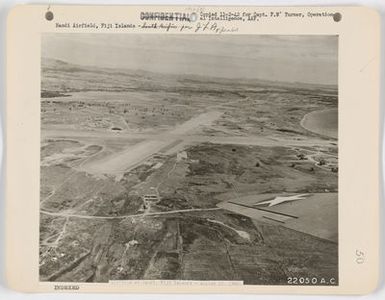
323 122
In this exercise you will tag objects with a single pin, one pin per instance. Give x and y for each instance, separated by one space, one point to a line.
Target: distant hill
61 77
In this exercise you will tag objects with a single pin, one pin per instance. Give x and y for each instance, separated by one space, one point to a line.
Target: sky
308 59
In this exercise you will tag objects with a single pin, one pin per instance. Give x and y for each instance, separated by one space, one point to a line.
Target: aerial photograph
189 157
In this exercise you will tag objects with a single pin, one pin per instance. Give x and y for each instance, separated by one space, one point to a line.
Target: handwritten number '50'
360 257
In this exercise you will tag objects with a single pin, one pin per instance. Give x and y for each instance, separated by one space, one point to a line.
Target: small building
150 198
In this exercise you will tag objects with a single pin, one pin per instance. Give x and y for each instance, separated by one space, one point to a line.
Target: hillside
59 77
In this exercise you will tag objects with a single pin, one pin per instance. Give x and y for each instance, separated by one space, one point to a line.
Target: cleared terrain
148 176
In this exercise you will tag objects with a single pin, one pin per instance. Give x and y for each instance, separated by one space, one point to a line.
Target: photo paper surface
192 149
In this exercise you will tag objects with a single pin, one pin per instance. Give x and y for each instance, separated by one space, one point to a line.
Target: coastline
313 122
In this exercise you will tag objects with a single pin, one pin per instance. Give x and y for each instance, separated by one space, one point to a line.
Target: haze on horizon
300 58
